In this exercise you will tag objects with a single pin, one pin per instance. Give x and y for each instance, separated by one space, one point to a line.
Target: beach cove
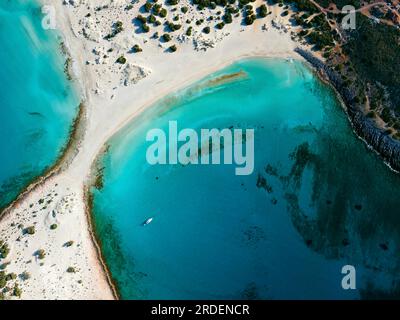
219 236
38 103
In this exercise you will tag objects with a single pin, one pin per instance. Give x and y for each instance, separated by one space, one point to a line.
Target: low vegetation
4 249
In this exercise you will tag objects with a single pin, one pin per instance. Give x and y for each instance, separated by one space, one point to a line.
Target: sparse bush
172 2
163 13
166 37
151 19
147 6
249 19
136 48
220 25
141 19
69 244
41 254
17 292
121 60
29 230
227 17
262 11
145 28
11 276
3 280
4 250
25 275
71 270
117 27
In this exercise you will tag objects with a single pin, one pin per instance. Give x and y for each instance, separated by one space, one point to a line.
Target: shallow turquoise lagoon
37 102
318 198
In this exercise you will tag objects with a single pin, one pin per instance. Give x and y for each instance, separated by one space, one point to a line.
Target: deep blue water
318 198
37 102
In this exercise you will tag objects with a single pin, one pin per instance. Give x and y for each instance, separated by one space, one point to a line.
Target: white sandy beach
113 96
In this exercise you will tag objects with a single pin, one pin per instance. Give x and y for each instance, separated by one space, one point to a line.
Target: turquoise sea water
37 103
318 199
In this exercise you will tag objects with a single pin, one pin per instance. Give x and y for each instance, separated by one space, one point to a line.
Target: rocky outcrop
376 138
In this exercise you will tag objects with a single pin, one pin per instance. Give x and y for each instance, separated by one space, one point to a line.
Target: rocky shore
376 138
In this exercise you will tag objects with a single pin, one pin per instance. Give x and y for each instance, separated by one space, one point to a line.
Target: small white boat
148 221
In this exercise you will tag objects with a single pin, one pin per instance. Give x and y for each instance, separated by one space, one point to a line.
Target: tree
172 48
206 30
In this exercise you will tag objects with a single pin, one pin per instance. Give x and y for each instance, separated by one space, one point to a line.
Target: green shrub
166 37
262 11
220 25
173 27
136 48
145 28
71 270
151 19
3 280
29 230
141 19
147 6
249 19
206 30
17 292
163 13
69 244
116 28
25 275
41 254
53 226
4 250
227 17
121 60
